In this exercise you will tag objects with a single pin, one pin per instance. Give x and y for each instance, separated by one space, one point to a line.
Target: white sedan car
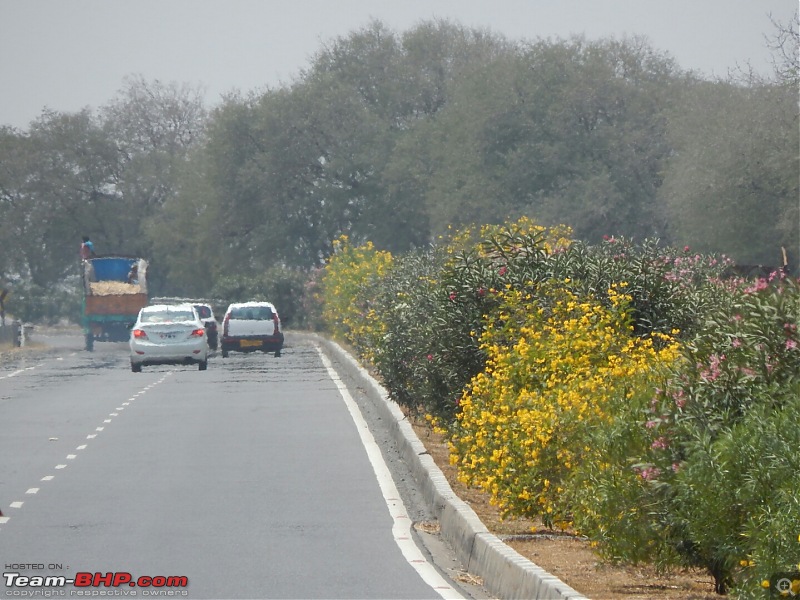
168 335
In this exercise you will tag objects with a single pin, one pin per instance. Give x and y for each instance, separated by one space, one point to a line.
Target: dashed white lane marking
17 372
31 491
401 530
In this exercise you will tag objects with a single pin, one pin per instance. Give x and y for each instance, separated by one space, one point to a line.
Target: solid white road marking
402 523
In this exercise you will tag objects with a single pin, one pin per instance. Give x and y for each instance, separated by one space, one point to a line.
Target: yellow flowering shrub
347 288
554 362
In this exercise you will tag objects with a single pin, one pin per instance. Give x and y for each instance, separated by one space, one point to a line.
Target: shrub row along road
249 480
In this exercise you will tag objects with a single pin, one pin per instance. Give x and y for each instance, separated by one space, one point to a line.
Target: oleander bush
710 470
633 392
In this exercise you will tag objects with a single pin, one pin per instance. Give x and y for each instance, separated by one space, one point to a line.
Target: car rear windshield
252 313
167 315
203 311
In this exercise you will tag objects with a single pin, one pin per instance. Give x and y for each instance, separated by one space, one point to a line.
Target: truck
111 298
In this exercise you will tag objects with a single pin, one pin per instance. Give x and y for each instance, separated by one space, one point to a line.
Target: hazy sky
68 54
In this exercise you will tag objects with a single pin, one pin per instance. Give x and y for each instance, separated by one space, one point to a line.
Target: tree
572 132
731 185
154 127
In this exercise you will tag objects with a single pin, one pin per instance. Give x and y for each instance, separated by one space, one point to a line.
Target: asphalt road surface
253 479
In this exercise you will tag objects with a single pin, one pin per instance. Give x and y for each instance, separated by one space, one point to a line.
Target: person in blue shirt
87 248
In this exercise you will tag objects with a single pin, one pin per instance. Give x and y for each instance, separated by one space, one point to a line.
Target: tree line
394 137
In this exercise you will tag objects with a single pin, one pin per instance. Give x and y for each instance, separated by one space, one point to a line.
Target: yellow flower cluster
347 276
553 369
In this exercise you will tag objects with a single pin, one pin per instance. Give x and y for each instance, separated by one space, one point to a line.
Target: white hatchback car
251 326
168 335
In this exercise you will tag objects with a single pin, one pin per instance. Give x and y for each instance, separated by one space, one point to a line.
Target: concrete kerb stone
505 572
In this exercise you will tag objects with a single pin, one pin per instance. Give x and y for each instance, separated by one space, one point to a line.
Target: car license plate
249 343
167 336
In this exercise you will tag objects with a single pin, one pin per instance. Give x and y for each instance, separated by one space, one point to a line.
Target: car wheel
224 353
202 365
136 368
277 353
89 342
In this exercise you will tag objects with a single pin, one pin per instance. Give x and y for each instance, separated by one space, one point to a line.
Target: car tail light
198 332
139 334
277 322
225 325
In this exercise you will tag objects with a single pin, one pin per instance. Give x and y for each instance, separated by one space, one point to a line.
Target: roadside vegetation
637 394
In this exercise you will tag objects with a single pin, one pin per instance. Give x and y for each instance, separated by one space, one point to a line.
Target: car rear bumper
252 343
147 354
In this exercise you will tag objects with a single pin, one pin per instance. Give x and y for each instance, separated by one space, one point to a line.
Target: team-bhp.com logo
785 585
152 585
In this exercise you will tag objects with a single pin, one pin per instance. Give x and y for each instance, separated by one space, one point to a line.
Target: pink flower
503 270
686 248
660 444
430 357
649 473
452 296
791 344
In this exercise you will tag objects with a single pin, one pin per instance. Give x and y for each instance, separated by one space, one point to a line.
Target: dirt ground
567 557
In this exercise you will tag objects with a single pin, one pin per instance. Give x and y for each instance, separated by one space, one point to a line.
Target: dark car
206 314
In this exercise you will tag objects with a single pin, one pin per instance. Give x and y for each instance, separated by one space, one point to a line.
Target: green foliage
392 137
714 451
32 303
731 144
284 287
625 389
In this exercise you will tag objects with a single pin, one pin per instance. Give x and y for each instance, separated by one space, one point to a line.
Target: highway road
254 479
